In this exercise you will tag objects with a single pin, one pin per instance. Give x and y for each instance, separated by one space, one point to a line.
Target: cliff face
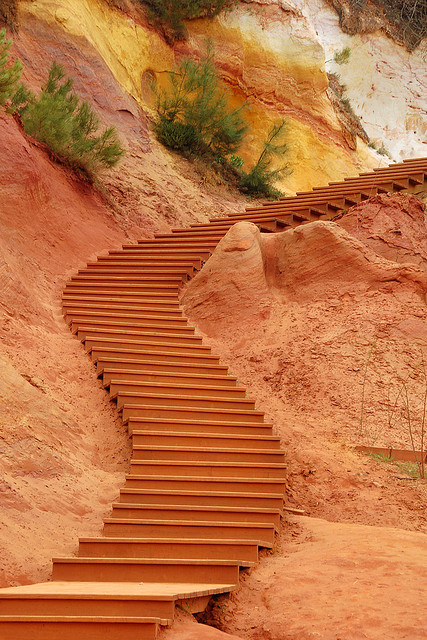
268 54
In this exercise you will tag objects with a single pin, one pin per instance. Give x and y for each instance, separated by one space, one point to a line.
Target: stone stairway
206 479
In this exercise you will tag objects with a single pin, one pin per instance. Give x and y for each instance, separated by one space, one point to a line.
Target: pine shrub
260 180
194 115
170 14
68 126
9 74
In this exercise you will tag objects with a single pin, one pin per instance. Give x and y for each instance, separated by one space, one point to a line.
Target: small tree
261 179
9 74
70 128
194 114
169 14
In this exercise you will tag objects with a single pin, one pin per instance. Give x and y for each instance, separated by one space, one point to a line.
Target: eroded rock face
313 262
393 225
267 53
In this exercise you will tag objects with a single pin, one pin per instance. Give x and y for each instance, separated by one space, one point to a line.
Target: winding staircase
206 480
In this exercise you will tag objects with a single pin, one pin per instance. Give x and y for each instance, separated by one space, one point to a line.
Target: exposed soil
298 321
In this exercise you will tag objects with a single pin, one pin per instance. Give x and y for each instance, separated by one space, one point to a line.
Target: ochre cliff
267 53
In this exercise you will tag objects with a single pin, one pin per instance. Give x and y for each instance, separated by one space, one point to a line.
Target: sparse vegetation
9 74
341 57
406 403
170 15
405 20
260 180
194 116
409 468
68 126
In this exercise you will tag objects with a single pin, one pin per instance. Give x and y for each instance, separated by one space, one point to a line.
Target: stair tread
204 436
192 523
109 590
189 507
172 492
154 561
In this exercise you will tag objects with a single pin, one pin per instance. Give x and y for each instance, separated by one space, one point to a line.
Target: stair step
157 307
147 570
240 484
165 366
174 513
201 498
185 529
186 341
115 376
206 453
102 599
242 550
150 333
207 468
89 327
150 263
189 413
210 427
225 441
121 387
178 270
176 400
114 281
159 352
51 627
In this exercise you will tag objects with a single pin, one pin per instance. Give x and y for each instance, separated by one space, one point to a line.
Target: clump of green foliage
194 115
260 180
170 14
341 57
9 74
68 126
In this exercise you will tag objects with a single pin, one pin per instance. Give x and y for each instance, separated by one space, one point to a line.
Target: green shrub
170 14
70 128
261 179
193 112
9 74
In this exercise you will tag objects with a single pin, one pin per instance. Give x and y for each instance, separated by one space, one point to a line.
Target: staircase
205 485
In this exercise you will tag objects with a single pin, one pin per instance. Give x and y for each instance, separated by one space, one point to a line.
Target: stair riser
140 467
265 536
190 413
180 440
214 515
88 572
165 367
182 400
168 322
206 484
219 551
214 501
158 378
140 343
73 630
208 456
147 334
176 389
86 607
120 308
166 354
208 427
121 297
127 330
107 266
158 271
151 256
